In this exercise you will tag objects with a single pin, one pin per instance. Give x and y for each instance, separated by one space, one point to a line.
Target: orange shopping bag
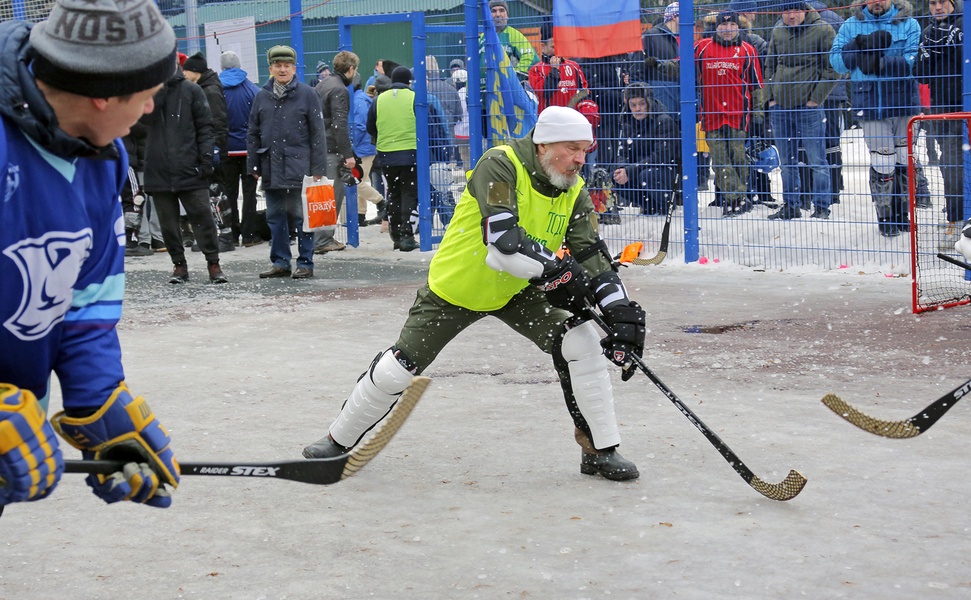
319 204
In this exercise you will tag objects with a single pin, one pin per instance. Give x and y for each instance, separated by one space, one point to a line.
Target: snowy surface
480 495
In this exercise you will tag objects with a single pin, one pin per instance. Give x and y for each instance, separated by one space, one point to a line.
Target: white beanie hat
561 124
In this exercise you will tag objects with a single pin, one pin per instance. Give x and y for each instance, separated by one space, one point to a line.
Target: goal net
940 202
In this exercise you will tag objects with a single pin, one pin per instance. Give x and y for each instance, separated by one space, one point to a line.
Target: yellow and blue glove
30 459
125 429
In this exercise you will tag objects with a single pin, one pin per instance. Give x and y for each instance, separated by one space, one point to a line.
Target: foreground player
72 85
498 258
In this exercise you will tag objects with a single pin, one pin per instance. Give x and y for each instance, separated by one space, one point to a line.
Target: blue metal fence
409 30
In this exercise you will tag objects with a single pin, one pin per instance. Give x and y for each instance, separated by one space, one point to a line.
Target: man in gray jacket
286 142
799 77
335 100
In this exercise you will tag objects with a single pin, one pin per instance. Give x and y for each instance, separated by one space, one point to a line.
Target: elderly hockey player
523 203
72 85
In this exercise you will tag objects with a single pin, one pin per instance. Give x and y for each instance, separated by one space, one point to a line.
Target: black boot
608 463
881 191
325 447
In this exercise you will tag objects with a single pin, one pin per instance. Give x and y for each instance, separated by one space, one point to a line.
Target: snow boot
607 462
180 274
216 273
325 447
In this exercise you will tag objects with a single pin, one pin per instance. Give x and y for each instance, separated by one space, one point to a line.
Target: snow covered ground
480 495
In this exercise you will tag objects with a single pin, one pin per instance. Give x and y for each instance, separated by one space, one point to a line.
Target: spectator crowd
777 85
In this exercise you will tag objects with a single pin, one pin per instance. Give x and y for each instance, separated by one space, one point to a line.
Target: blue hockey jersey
61 245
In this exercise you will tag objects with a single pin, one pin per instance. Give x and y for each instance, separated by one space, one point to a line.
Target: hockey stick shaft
953 261
908 428
662 250
787 489
318 471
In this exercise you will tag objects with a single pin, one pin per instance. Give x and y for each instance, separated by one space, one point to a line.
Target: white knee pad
372 399
591 383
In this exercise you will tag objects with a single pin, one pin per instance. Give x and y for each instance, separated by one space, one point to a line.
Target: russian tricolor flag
592 29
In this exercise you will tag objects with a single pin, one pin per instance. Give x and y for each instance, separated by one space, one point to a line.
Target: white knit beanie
561 124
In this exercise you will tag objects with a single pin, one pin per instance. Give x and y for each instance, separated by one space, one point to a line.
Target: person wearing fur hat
69 94
523 204
878 47
939 66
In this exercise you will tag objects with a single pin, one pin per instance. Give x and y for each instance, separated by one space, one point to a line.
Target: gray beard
559 180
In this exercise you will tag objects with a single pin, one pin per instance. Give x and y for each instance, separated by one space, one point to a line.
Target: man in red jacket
730 78
555 80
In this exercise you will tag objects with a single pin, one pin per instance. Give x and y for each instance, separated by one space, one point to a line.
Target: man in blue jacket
286 142
877 46
240 93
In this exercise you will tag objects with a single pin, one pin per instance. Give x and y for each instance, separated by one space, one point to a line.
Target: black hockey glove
628 331
566 286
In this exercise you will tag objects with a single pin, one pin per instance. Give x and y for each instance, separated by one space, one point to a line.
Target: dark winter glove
628 330
650 62
869 63
566 286
878 40
205 169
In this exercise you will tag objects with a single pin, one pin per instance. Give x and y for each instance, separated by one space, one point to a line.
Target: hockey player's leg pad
125 429
30 458
590 386
373 397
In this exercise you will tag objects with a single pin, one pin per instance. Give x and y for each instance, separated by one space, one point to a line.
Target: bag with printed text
319 204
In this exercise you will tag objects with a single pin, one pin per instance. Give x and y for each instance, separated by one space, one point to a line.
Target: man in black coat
178 165
284 144
649 148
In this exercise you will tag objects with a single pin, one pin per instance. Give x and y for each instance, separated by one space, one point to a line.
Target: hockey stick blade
898 430
953 261
318 471
787 489
662 250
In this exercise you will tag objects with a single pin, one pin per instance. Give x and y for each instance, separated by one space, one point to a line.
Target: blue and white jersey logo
49 267
12 182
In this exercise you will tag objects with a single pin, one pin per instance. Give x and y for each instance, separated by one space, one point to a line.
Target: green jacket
463 238
797 67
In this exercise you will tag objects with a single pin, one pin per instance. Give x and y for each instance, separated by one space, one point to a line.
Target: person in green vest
500 257
392 123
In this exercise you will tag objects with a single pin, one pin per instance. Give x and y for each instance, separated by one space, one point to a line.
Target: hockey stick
787 489
953 261
318 471
662 250
899 430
